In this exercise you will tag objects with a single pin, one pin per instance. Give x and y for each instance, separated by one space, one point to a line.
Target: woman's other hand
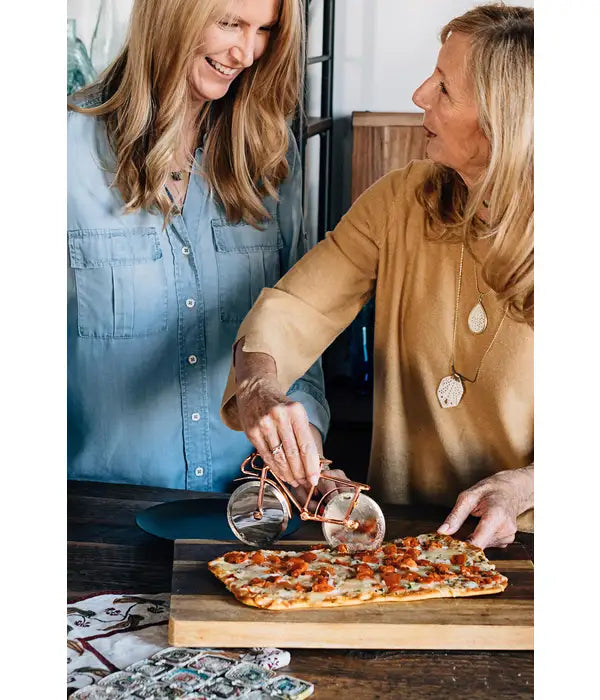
497 501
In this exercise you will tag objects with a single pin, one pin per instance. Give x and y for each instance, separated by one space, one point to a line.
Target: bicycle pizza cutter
259 510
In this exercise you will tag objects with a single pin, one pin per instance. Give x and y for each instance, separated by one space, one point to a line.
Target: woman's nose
420 96
243 51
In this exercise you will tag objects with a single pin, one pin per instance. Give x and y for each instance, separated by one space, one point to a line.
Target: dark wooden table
108 552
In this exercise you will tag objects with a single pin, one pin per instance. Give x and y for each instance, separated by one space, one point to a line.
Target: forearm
252 365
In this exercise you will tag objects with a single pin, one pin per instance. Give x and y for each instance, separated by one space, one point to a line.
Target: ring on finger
277 449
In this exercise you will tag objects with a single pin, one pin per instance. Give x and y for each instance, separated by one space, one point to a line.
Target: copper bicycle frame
262 473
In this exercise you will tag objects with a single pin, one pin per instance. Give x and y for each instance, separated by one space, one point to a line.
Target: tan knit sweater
420 451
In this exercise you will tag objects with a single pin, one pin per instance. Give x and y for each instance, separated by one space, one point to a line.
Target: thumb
465 503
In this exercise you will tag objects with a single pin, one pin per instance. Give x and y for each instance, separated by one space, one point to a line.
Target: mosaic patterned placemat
202 674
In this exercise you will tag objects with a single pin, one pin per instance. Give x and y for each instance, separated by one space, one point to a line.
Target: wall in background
384 49
85 13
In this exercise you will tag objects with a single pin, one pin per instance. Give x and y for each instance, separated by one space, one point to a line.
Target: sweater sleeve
320 296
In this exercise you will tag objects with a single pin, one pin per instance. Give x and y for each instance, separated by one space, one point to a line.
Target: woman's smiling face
230 46
451 117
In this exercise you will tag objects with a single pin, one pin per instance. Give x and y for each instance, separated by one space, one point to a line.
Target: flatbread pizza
411 568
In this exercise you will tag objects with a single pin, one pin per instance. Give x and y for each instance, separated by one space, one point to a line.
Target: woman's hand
279 430
497 500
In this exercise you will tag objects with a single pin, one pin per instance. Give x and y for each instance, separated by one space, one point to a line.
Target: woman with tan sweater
446 245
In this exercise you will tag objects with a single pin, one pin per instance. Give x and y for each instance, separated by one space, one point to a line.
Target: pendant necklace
451 388
478 319
179 198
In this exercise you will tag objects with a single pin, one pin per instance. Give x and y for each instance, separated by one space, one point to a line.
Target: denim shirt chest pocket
247 261
120 280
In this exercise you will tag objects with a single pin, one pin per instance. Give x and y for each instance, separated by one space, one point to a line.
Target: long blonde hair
501 67
145 93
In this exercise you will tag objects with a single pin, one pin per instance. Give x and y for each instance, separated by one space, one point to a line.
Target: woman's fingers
488 527
265 439
465 503
307 448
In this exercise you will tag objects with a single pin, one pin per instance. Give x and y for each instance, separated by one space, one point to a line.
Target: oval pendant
478 319
450 391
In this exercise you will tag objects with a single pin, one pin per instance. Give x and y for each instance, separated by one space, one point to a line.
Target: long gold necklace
451 388
478 319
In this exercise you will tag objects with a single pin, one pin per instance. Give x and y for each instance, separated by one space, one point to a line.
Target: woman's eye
267 29
443 88
228 25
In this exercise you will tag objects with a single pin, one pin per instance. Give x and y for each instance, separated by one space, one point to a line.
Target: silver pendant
478 319
450 391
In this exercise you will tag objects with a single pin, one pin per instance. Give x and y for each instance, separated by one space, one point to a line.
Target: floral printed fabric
106 633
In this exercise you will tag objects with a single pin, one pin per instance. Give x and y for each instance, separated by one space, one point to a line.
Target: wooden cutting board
205 614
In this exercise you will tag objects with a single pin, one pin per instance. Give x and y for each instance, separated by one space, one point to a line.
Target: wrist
526 488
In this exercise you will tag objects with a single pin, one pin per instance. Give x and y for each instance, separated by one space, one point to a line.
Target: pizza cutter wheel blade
260 533
371 523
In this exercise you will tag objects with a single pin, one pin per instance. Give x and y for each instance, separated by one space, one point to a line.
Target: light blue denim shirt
152 316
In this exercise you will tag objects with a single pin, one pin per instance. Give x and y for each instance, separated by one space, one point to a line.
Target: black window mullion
306 126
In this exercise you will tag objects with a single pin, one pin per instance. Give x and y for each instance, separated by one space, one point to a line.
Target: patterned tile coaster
202 674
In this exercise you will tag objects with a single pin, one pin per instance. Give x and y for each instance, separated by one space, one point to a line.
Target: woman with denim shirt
184 201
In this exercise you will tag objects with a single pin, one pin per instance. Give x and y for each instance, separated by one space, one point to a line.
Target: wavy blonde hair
501 67
145 95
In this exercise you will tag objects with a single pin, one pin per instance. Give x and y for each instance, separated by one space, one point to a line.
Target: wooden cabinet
383 141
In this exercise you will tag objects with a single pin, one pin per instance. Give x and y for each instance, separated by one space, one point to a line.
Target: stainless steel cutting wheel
240 515
371 523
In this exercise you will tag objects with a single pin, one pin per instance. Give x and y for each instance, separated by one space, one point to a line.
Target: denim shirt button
185 250
192 359
190 303
199 471
195 417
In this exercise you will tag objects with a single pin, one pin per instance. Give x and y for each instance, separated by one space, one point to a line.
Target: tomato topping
361 575
315 547
387 569
257 582
392 580
297 563
327 570
408 561
410 542
235 557
342 549
390 549
322 586
424 562
458 558
258 558
434 544
308 556
274 559
367 556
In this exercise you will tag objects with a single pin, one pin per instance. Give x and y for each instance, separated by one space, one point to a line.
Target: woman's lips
429 133
219 73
